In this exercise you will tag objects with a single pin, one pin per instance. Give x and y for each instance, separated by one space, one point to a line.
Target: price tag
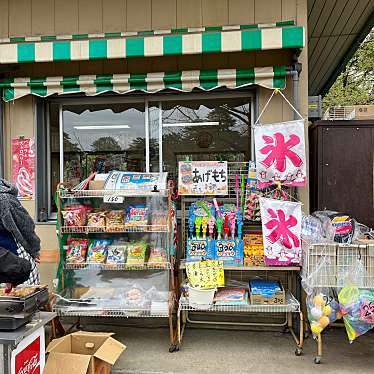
113 199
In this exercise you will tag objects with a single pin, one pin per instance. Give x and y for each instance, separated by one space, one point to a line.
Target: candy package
231 296
137 216
97 250
76 250
158 218
115 220
157 256
116 254
96 218
136 254
75 215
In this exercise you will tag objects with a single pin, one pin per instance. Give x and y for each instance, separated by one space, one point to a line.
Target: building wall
52 17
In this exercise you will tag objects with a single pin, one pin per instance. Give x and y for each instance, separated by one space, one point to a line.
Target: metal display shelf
97 266
124 229
71 194
182 265
291 306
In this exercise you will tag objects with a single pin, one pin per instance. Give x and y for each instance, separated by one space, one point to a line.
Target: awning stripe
102 47
269 77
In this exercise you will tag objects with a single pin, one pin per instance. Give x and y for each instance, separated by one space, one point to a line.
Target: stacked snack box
253 249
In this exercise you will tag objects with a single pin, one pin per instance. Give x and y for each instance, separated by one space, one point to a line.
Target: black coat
13 269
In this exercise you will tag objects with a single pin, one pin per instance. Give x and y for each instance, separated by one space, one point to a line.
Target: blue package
266 288
198 249
230 251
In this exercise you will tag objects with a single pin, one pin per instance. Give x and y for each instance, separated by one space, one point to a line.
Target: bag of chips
76 251
75 215
96 218
97 250
115 220
136 253
116 254
137 216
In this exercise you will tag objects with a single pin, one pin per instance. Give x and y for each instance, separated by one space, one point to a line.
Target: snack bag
116 254
136 254
115 220
137 216
76 251
96 218
97 250
157 256
75 215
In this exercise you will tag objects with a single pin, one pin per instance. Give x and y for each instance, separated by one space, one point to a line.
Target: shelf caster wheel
174 348
298 351
317 360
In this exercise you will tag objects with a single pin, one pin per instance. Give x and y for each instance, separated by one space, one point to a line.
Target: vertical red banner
23 167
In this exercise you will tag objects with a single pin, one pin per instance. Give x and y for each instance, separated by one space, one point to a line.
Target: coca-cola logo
29 366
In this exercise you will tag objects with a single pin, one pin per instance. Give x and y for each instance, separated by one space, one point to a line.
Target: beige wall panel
288 10
189 13
139 15
22 117
90 18
215 12
114 15
268 11
66 17
48 272
47 235
4 19
169 63
241 12
164 14
20 18
30 207
43 17
274 111
116 66
139 65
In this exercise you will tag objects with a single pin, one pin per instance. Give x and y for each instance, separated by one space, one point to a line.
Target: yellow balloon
316 328
319 301
327 310
324 321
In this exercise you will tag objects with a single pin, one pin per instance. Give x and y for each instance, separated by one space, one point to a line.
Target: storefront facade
138 100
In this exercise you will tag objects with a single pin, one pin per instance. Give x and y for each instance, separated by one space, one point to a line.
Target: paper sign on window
281 228
280 154
203 178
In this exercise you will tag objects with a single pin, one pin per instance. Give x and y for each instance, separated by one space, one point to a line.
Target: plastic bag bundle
356 304
322 302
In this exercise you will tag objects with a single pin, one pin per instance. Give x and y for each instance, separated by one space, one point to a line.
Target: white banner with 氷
281 229
280 154
203 178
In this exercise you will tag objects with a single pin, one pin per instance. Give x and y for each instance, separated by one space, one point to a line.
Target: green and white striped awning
186 41
185 81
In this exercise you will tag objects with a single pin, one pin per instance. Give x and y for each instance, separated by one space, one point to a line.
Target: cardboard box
83 353
278 298
96 185
364 111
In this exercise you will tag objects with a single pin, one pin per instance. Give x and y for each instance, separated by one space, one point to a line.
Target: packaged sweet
136 254
116 254
75 215
115 220
157 256
137 215
76 251
231 296
96 218
97 250
158 218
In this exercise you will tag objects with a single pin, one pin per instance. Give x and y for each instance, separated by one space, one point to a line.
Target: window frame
135 98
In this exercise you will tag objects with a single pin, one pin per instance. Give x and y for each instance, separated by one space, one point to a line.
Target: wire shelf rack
329 265
118 267
69 194
291 306
104 229
182 265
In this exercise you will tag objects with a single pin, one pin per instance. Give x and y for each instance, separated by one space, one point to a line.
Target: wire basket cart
337 264
288 317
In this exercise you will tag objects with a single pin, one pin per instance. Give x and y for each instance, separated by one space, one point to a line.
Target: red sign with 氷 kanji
23 167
